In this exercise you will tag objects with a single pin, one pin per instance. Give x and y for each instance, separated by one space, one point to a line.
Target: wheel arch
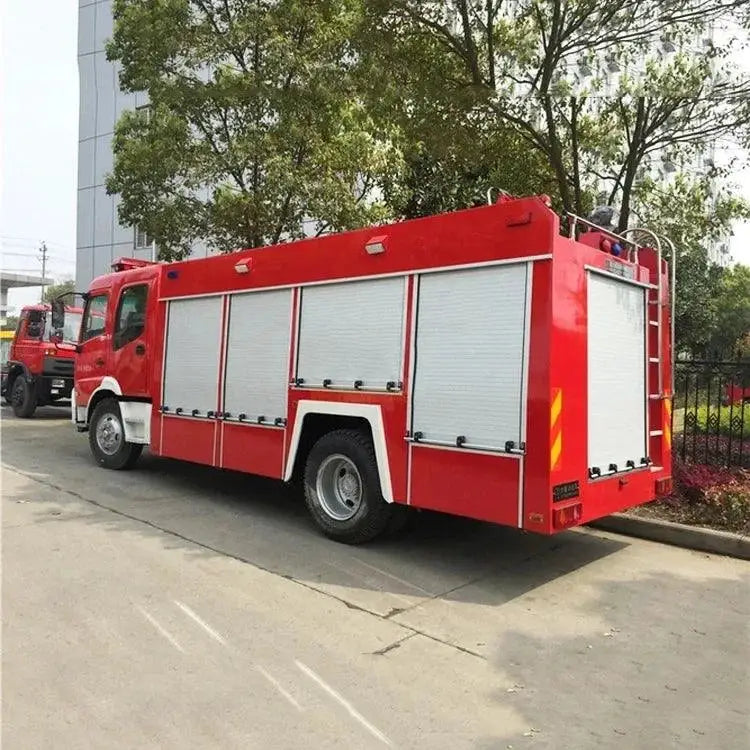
317 418
108 388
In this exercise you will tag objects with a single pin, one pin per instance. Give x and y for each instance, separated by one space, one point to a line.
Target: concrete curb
678 534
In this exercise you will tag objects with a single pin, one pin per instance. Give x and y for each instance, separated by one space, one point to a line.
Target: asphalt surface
176 606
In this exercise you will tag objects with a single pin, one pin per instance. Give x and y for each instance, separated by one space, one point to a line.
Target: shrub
693 480
727 505
707 496
717 450
714 420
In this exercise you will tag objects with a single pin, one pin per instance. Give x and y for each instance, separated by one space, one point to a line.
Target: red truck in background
477 363
735 394
39 370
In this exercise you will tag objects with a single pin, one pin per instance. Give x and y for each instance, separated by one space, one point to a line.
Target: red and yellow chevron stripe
667 429
555 428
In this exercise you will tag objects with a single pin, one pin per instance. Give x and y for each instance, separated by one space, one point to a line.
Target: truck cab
115 346
39 371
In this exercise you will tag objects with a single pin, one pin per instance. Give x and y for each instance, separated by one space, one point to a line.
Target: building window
143 239
144 112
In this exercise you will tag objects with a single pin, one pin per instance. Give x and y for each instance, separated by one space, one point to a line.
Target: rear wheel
342 488
23 397
107 437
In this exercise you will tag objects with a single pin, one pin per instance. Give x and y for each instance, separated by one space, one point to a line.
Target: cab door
130 356
27 345
93 347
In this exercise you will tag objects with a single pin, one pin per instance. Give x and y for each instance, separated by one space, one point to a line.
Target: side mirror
58 313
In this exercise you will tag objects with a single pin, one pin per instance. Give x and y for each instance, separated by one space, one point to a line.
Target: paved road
180 607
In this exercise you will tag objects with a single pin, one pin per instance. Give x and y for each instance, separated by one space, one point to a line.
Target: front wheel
107 438
342 488
23 397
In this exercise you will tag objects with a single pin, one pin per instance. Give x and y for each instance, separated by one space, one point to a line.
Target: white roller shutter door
352 331
191 370
258 354
471 328
616 373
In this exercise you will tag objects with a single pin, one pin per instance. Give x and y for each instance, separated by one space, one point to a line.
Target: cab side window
131 315
95 317
35 325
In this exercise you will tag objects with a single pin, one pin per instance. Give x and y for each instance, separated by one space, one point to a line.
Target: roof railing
575 220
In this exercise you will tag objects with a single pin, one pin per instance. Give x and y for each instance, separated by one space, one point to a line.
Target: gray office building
100 237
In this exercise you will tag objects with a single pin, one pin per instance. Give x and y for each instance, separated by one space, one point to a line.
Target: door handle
99 362
140 350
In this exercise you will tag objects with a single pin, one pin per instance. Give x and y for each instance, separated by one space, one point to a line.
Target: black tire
370 513
23 397
107 437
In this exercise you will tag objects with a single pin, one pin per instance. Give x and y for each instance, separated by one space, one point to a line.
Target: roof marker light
376 245
242 266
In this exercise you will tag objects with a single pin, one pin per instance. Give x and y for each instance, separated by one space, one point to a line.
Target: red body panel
476 485
250 448
497 487
189 439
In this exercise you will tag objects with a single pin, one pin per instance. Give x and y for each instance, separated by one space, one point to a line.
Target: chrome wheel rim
339 487
109 434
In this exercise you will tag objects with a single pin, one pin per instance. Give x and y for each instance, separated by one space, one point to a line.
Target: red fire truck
39 371
476 363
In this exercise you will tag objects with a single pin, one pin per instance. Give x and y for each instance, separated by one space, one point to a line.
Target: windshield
71 327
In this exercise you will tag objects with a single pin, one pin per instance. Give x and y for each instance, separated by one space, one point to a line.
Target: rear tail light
664 486
567 516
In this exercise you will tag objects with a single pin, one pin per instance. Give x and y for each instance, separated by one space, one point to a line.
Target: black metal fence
711 413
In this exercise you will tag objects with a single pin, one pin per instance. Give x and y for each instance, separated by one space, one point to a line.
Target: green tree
696 215
11 323
255 131
438 179
732 313
56 290
542 69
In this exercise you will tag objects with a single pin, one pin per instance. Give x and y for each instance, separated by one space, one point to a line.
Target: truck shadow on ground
44 413
266 524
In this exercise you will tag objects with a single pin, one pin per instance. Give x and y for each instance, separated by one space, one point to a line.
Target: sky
39 141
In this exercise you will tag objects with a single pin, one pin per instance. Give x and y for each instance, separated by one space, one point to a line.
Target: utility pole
43 252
